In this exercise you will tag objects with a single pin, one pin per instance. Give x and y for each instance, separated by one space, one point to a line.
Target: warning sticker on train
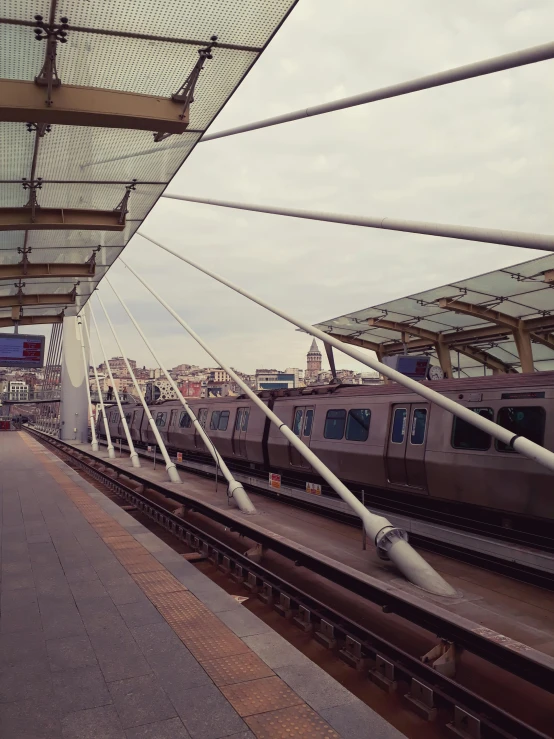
314 488
179 456
274 480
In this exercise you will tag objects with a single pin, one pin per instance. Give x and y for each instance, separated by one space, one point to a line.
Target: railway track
529 562
357 645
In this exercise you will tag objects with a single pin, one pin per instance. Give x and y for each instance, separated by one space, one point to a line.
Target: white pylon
94 442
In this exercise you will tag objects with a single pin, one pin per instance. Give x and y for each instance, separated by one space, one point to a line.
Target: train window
219 420
419 421
297 425
202 416
238 419
398 426
245 417
185 420
466 436
128 418
357 425
161 419
223 420
527 421
335 421
309 422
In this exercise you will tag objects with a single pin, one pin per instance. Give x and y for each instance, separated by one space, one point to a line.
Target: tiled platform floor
107 633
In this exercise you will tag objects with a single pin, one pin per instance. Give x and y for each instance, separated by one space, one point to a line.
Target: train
381 440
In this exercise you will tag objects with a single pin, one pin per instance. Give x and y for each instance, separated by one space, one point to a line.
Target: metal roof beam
31 320
7 301
36 270
441 347
487 359
60 219
372 346
22 101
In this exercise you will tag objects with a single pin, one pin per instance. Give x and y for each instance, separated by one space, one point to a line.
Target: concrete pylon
74 402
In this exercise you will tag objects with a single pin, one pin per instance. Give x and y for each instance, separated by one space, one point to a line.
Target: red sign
274 480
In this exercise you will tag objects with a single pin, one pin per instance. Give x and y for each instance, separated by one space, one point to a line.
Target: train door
302 424
406 444
202 416
239 431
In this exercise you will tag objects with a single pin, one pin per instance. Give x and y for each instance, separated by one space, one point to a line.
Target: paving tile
88 589
55 587
23 646
93 723
207 714
119 656
110 571
70 652
178 671
237 669
243 623
140 614
20 567
60 618
215 600
24 680
274 650
80 689
247 735
358 720
315 686
30 719
140 700
21 618
296 721
170 729
15 598
259 696
156 638
15 582
124 590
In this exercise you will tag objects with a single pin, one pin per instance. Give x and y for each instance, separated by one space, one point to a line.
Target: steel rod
519 443
94 442
468 233
169 465
236 490
111 450
132 451
387 538
501 63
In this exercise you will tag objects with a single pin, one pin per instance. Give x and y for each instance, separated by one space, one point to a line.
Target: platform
106 632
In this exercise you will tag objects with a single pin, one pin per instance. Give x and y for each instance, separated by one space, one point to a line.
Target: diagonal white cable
169 465
519 443
132 451
94 443
388 539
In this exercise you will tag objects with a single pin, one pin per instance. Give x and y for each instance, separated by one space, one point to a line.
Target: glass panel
419 421
223 420
308 423
245 417
334 424
238 419
527 421
398 426
357 426
202 415
185 421
160 419
214 420
466 436
296 426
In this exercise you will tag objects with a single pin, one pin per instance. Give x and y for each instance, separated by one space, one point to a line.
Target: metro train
379 439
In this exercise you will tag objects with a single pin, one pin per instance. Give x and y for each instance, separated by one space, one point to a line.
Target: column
74 403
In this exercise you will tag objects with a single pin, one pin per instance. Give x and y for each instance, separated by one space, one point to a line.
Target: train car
380 439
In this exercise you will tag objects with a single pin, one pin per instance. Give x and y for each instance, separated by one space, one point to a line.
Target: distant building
18 390
192 389
313 362
271 379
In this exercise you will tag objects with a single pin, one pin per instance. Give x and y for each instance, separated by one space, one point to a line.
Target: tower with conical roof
314 361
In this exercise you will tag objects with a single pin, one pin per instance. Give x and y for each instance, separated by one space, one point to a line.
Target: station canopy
497 322
101 102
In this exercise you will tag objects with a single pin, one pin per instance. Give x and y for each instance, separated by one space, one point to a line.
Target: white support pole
519 443
135 462
94 443
388 540
467 71
236 490
172 472
111 450
448 231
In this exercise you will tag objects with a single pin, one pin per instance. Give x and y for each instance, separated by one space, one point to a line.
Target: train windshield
527 421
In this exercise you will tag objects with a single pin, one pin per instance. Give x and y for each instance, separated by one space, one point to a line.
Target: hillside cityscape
192 380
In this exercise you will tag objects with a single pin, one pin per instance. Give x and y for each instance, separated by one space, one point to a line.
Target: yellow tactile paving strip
270 708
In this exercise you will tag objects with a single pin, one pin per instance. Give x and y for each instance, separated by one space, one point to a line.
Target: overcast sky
478 153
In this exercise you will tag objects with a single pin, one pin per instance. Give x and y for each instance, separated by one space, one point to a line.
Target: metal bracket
422 699
20 285
91 261
25 251
121 207
325 634
465 725
42 128
48 76
383 674
185 94
385 538
32 186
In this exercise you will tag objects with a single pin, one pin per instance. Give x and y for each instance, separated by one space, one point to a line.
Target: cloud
476 153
